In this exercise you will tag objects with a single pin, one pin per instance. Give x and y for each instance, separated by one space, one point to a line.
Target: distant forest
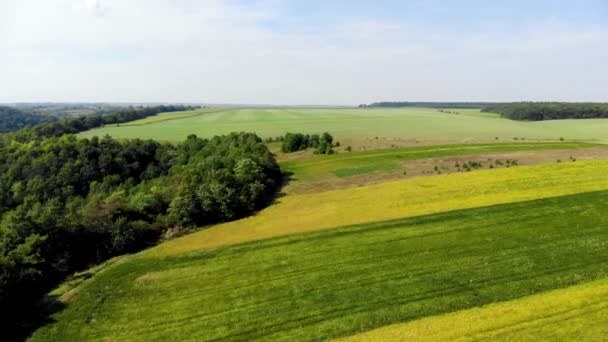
84 123
69 203
537 111
461 105
525 111
12 119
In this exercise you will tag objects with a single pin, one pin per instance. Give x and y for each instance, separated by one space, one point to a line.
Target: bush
297 142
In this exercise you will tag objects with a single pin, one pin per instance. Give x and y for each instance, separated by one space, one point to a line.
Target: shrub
297 142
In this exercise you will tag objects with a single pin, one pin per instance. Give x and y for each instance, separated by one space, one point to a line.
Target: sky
288 52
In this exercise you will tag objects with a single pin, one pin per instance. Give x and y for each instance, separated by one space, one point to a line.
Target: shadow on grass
287 176
32 318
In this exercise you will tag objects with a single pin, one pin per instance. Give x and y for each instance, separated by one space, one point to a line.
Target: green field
501 253
168 116
533 318
350 164
344 281
297 213
408 123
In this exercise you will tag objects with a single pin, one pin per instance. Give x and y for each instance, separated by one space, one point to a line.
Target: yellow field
398 199
535 318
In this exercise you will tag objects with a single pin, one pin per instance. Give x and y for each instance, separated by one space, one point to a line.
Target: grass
344 281
168 116
577 313
412 123
355 163
403 198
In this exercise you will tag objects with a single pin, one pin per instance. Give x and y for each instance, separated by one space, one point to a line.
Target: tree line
12 119
68 203
397 104
87 122
537 111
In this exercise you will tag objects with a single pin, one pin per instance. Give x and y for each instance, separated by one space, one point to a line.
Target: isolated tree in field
294 142
297 141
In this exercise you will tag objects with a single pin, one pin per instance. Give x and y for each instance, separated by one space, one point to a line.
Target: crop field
298 171
167 117
344 281
532 318
344 165
347 252
412 123
403 198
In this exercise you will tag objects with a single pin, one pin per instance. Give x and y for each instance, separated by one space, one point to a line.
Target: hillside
350 126
13 119
344 281
336 263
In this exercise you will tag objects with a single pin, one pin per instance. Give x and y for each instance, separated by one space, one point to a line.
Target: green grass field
498 254
168 116
294 214
355 163
533 318
344 281
408 123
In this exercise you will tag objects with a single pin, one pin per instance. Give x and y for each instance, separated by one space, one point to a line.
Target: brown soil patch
381 143
453 164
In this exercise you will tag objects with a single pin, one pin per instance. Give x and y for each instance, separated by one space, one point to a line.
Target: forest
12 119
461 105
69 203
538 111
84 123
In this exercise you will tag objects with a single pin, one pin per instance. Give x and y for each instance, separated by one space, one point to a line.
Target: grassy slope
577 313
419 123
339 282
391 200
169 116
356 163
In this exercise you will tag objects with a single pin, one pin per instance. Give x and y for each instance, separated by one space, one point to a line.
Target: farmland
332 169
529 318
303 171
347 280
389 241
409 197
353 124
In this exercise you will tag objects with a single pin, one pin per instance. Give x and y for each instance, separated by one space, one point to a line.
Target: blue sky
303 52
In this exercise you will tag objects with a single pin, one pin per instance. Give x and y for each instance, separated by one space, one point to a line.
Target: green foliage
297 142
66 203
84 123
12 119
537 111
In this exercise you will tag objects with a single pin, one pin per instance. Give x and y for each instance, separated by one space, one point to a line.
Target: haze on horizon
289 52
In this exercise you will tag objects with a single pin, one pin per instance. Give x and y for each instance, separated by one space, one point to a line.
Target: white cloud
219 51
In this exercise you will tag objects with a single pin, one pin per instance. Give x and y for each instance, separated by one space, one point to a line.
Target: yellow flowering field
577 313
398 199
